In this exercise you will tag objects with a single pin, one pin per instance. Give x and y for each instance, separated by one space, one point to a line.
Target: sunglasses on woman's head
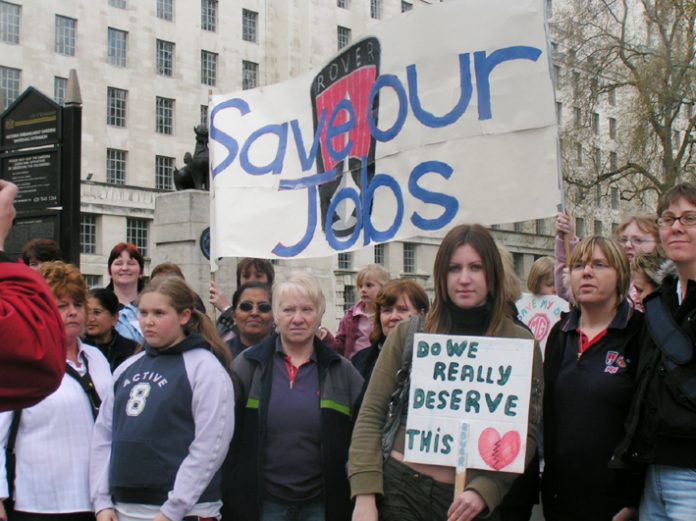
263 307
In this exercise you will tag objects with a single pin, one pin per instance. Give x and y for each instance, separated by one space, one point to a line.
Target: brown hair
438 319
181 298
615 255
260 265
41 250
389 294
65 280
167 268
685 191
541 270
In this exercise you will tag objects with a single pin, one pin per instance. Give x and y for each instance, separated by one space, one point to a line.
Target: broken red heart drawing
499 452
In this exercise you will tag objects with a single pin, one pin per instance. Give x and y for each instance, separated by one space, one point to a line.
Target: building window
345 261
613 161
92 281
614 198
559 112
409 257
577 117
116 106
519 227
612 128
379 254
343 34
548 6
209 68
121 4
556 76
209 15
88 233
60 86
204 115
597 157
343 4
116 166
164 111
576 84
541 227
117 47
9 85
598 227
578 153
250 20
136 232
165 9
595 123
9 22
164 172
250 75
406 6
518 262
65 35
348 298
580 227
611 96
376 9
165 58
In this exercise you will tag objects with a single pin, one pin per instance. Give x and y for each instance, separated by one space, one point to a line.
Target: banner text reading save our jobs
439 116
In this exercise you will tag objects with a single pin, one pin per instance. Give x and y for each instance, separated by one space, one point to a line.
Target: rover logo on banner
439 116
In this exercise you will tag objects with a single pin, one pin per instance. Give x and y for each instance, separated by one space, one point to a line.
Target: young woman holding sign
469 300
589 370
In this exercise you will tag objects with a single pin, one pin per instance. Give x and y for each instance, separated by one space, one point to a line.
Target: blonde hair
616 258
302 283
541 270
380 274
181 297
644 223
648 264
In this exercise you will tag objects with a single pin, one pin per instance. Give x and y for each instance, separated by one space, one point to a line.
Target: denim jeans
274 511
669 494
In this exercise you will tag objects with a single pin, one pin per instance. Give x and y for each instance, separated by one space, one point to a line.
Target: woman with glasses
589 373
297 406
638 234
252 315
662 423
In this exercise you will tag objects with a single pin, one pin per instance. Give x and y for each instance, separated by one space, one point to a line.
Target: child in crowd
645 275
355 327
161 438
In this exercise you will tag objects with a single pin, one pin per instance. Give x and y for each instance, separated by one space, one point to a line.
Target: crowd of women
266 415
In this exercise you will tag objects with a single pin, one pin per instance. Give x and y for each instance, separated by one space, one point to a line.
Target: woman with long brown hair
469 300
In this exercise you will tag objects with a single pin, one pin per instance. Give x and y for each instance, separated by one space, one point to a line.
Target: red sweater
32 337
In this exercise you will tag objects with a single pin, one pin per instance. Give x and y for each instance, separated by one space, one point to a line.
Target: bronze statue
195 174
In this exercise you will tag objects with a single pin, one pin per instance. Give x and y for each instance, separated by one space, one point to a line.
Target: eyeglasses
595 265
687 220
263 307
636 241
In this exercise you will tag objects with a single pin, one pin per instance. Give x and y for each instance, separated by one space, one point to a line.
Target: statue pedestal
180 219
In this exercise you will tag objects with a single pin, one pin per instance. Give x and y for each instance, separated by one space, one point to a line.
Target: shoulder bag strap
87 386
10 460
674 343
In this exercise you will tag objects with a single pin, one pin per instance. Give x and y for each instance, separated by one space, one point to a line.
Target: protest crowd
160 413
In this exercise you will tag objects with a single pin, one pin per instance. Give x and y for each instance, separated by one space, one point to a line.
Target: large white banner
439 116
484 381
